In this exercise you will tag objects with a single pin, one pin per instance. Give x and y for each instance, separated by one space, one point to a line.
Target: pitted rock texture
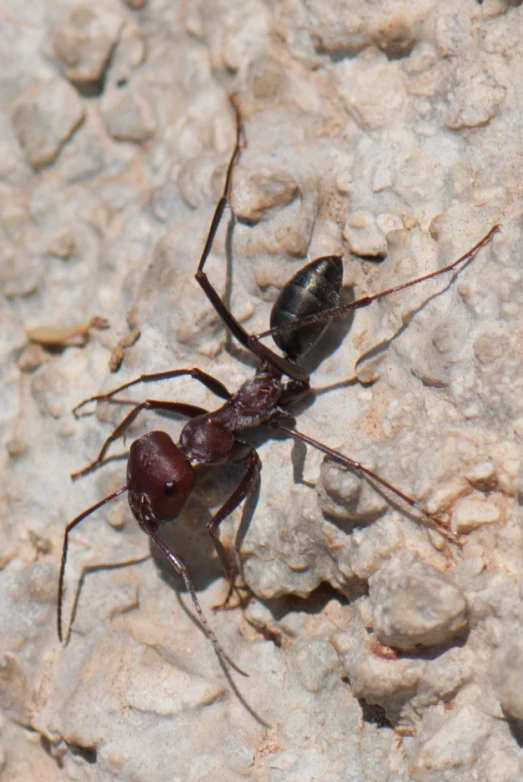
388 133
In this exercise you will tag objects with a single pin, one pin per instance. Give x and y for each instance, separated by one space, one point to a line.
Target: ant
161 474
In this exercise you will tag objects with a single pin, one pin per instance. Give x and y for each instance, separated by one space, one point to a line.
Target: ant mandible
161 474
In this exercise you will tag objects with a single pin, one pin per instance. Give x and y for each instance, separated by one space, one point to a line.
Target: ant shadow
515 727
188 535
385 344
226 670
210 570
87 571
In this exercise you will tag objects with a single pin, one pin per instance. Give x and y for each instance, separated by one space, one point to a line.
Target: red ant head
159 479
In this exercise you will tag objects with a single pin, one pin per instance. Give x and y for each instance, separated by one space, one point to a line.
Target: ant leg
72 524
213 384
283 365
250 342
180 568
191 411
238 495
457 266
441 526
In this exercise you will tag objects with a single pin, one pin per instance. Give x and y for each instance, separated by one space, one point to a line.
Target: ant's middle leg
191 411
212 383
440 525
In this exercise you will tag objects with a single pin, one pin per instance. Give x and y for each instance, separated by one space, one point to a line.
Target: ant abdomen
314 289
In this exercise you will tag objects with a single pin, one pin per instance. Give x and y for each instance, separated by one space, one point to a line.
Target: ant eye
169 489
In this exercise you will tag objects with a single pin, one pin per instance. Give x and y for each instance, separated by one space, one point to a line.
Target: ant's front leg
239 494
180 568
190 411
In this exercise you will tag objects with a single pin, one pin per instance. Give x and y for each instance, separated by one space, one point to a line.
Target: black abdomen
312 290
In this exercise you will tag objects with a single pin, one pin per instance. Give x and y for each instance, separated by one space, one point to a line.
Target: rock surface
388 133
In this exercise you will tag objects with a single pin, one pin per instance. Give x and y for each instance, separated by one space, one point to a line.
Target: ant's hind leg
248 341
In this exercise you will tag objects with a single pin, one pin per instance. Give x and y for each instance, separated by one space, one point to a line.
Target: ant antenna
175 561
